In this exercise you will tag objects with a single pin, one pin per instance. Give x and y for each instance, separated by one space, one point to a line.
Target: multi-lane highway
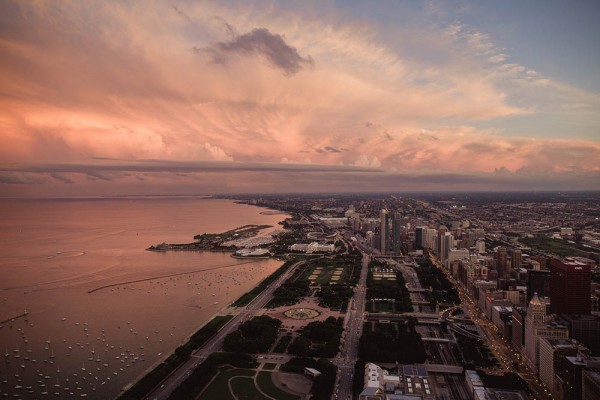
215 343
501 349
354 322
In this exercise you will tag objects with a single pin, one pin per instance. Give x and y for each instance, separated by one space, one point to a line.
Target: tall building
430 237
446 244
420 236
568 381
516 259
538 282
570 287
550 352
584 328
537 326
590 385
502 263
397 228
480 246
518 328
384 231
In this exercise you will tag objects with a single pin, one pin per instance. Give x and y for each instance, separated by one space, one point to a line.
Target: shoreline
186 249
221 312
160 361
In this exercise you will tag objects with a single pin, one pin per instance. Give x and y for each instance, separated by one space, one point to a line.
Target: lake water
54 252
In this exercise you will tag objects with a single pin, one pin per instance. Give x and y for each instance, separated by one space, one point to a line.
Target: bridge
423 315
435 339
447 369
417 290
429 321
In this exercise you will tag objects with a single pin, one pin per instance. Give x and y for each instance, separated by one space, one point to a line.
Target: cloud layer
252 84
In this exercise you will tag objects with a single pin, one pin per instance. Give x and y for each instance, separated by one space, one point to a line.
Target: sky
208 97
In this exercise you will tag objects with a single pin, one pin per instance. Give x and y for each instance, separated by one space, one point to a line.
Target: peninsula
225 241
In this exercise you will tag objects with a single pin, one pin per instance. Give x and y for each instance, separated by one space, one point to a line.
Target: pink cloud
128 82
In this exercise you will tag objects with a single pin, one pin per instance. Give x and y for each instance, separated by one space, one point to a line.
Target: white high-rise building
538 326
430 236
548 348
446 244
480 246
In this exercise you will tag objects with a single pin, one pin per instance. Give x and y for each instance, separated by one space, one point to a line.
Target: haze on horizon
199 97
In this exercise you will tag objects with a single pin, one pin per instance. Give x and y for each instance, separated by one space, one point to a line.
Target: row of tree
335 296
254 336
318 339
388 289
290 292
442 290
403 344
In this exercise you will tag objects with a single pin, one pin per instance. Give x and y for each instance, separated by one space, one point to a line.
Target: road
214 344
353 327
499 346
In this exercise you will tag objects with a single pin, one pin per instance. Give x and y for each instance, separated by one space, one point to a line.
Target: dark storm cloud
60 177
258 177
113 166
19 178
261 41
329 149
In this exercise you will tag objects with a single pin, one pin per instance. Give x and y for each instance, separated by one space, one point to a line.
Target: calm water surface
73 341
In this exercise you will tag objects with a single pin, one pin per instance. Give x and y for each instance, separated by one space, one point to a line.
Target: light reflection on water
55 252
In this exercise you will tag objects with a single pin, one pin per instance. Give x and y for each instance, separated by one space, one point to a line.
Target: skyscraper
570 287
384 230
537 326
538 282
502 263
446 244
420 236
517 258
397 228
430 238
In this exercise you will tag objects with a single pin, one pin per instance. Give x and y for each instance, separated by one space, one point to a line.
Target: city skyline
230 97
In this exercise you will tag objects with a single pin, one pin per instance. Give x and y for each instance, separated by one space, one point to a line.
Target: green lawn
383 306
269 366
219 387
243 386
265 382
325 275
557 246
244 389
282 344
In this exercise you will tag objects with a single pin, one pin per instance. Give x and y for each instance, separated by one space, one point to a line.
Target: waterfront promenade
164 390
